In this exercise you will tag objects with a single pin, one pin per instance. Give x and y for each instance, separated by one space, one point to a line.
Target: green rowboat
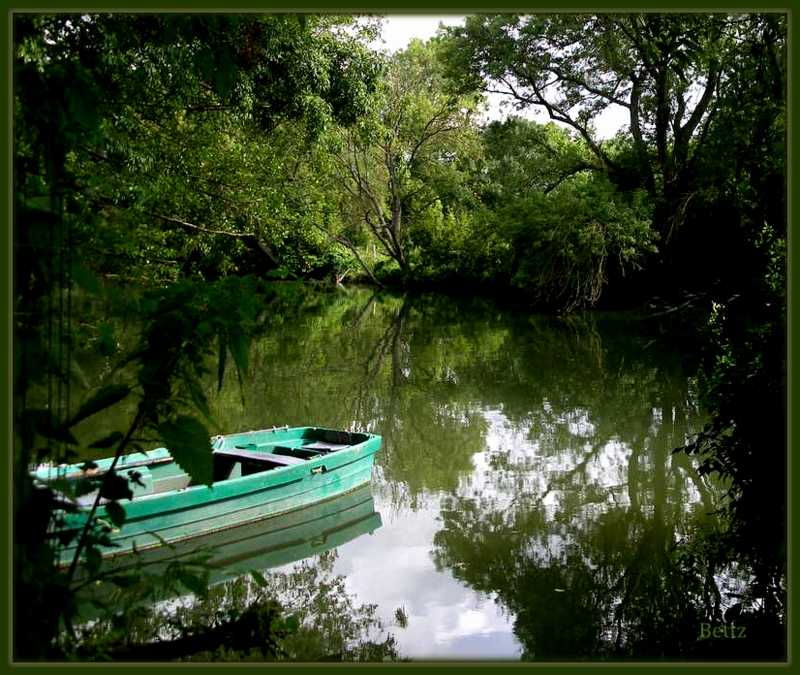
257 474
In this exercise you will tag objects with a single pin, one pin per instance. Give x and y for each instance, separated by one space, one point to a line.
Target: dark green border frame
397 7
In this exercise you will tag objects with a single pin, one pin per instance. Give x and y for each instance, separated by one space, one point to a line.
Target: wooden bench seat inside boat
302 453
247 454
324 447
243 461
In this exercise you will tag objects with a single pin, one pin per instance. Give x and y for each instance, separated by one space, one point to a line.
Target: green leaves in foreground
233 339
108 441
104 398
116 513
46 425
189 442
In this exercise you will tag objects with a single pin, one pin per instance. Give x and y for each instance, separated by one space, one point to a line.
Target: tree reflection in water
299 614
547 441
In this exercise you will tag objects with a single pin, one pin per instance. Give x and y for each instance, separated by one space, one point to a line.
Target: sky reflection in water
526 465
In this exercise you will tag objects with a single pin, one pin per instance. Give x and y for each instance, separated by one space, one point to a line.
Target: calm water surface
529 500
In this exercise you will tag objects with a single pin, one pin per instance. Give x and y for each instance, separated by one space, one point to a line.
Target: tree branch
559 115
577 169
200 228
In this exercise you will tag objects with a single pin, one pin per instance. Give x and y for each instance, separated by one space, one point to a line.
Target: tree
188 125
417 130
665 70
547 221
743 379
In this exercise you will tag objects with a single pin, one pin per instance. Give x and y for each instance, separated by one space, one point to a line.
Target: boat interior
237 458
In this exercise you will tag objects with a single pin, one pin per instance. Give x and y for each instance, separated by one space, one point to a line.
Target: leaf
93 559
46 425
85 278
105 398
108 441
84 486
223 354
189 443
197 584
136 477
258 578
115 487
116 513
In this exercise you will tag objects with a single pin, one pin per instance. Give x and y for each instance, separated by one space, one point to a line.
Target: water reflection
265 544
531 504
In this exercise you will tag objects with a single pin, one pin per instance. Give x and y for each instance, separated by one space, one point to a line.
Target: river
530 504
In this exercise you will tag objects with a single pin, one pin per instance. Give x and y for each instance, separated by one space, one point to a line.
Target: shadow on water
542 446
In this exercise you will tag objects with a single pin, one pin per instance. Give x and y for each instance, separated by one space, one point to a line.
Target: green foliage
116 513
174 146
114 487
574 66
704 94
184 323
302 615
329 625
188 161
180 330
743 378
744 387
402 158
565 241
548 222
188 442
743 175
740 174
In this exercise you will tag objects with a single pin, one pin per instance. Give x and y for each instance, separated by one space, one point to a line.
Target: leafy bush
565 241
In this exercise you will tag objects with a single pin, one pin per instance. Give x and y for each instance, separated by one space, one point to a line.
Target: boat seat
176 482
249 455
322 446
297 452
